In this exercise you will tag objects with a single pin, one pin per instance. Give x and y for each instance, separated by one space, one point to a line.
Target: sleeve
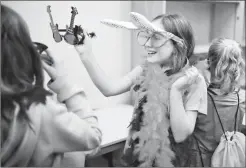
74 128
197 98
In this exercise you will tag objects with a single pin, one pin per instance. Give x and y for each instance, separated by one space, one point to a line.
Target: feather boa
148 144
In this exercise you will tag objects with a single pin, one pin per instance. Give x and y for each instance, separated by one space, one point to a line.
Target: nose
148 42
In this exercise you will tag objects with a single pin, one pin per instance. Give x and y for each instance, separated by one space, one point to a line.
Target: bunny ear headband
139 22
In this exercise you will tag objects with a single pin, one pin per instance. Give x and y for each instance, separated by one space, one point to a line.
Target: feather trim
148 143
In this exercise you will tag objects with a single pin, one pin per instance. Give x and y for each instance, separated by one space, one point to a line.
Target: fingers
192 74
84 39
50 56
49 69
84 47
47 59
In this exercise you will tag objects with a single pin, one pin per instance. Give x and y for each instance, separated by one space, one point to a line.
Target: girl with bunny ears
169 92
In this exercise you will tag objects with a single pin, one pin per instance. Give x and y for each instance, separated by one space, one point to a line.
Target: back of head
226 64
179 26
21 70
21 65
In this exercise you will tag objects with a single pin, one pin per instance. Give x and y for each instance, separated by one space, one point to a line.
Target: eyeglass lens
156 39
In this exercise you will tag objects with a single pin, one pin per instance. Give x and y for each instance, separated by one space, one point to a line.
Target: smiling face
158 47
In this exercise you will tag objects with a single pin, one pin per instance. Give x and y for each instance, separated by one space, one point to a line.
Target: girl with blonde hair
226 103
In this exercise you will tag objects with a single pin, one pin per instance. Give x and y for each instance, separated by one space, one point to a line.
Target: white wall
224 21
208 20
111 47
198 14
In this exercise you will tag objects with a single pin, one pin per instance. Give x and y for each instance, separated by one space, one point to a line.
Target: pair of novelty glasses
157 39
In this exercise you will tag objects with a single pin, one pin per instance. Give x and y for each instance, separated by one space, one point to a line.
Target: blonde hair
227 66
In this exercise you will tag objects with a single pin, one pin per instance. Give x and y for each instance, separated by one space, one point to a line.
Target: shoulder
196 96
201 81
199 88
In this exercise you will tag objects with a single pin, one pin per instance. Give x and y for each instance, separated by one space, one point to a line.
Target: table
113 122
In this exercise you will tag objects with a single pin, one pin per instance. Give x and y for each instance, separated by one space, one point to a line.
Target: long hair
226 65
21 69
179 26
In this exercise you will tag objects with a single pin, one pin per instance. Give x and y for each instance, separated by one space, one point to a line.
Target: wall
112 47
208 20
198 14
224 20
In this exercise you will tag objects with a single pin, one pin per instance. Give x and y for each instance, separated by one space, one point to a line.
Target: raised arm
183 114
108 86
74 128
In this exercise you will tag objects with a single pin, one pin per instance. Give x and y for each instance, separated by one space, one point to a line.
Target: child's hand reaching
54 70
84 50
190 77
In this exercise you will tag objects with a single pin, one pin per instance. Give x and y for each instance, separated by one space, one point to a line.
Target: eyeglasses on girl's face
156 39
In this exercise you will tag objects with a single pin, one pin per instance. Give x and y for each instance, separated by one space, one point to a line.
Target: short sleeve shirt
194 99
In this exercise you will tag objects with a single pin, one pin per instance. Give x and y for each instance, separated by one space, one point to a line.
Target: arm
74 128
182 121
107 85
183 116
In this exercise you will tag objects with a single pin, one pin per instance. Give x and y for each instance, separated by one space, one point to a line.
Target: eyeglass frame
149 37
165 34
